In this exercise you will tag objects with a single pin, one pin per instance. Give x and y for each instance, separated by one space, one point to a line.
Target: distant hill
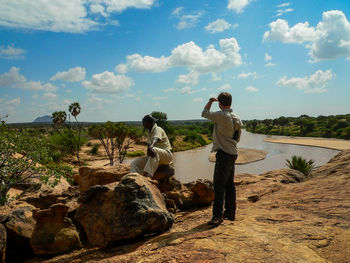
43 119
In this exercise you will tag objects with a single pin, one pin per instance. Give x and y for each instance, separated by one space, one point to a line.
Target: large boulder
203 191
3 238
19 224
54 233
164 175
89 176
125 210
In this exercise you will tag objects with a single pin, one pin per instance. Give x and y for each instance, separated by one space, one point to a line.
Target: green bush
195 137
137 153
300 164
94 149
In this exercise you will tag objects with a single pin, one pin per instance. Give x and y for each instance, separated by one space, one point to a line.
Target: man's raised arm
206 111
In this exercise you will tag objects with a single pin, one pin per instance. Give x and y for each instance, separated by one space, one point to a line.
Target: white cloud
267 57
198 100
35 96
238 5
215 77
283 5
191 78
49 95
315 83
121 68
281 12
186 90
13 79
108 83
11 52
169 90
251 89
225 87
219 25
72 75
186 20
244 75
13 103
74 16
270 64
191 56
328 40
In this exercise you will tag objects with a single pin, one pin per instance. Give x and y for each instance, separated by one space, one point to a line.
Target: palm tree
300 164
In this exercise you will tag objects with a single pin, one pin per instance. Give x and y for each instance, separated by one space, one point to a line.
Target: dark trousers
224 186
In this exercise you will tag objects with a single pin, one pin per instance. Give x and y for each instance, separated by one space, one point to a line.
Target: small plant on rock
300 164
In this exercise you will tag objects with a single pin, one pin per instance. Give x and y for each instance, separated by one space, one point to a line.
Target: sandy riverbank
335 144
245 156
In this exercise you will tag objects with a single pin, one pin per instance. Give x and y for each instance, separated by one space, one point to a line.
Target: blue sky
123 59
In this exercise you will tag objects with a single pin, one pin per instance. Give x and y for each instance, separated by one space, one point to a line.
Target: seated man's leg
161 157
138 165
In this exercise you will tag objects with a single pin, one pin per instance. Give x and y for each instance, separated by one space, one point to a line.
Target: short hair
149 119
225 99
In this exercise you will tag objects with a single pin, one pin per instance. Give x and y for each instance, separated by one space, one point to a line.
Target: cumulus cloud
328 40
49 95
72 75
79 15
121 68
268 59
225 87
191 78
215 77
13 79
219 25
108 83
198 100
244 75
13 103
315 83
189 90
191 56
251 89
238 5
11 52
186 20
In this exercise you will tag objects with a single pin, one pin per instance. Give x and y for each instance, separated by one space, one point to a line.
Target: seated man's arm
206 113
154 141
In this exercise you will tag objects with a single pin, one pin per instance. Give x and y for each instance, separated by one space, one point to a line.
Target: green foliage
70 132
22 157
137 153
195 137
322 126
94 149
300 164
161 119
115 138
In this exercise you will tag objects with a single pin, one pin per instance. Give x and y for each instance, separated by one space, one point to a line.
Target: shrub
195 137
137 153
300 164
94 149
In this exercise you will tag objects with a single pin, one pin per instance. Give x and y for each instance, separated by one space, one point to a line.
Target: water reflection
194 164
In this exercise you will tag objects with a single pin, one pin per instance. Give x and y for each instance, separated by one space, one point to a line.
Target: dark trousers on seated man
224 187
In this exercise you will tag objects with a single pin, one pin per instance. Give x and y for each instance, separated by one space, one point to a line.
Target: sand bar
335 144
245 155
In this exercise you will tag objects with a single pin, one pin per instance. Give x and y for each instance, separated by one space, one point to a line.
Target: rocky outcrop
90 176
203 192
19 224
164 175
290 222
3 240
125 210
54 233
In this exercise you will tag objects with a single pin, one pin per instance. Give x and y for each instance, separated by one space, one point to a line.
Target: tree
72 131
115 138
161 119
301 164
23 157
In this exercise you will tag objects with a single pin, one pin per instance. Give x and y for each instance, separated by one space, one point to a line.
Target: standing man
226 135
158 151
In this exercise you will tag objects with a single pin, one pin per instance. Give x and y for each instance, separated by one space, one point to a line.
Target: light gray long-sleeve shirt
225 125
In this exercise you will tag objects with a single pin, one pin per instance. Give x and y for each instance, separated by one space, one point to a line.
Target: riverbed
194 164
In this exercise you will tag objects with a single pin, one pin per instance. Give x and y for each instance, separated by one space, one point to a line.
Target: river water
194 164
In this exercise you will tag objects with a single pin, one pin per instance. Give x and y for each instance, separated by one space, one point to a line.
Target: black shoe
215 221
230 216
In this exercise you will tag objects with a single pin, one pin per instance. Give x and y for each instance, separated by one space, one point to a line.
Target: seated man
158 152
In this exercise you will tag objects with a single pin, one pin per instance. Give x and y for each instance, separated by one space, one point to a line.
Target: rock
293 176
165 177
3 239
45 199
183 199
203 191
89 176
54 233
19 226
125 210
